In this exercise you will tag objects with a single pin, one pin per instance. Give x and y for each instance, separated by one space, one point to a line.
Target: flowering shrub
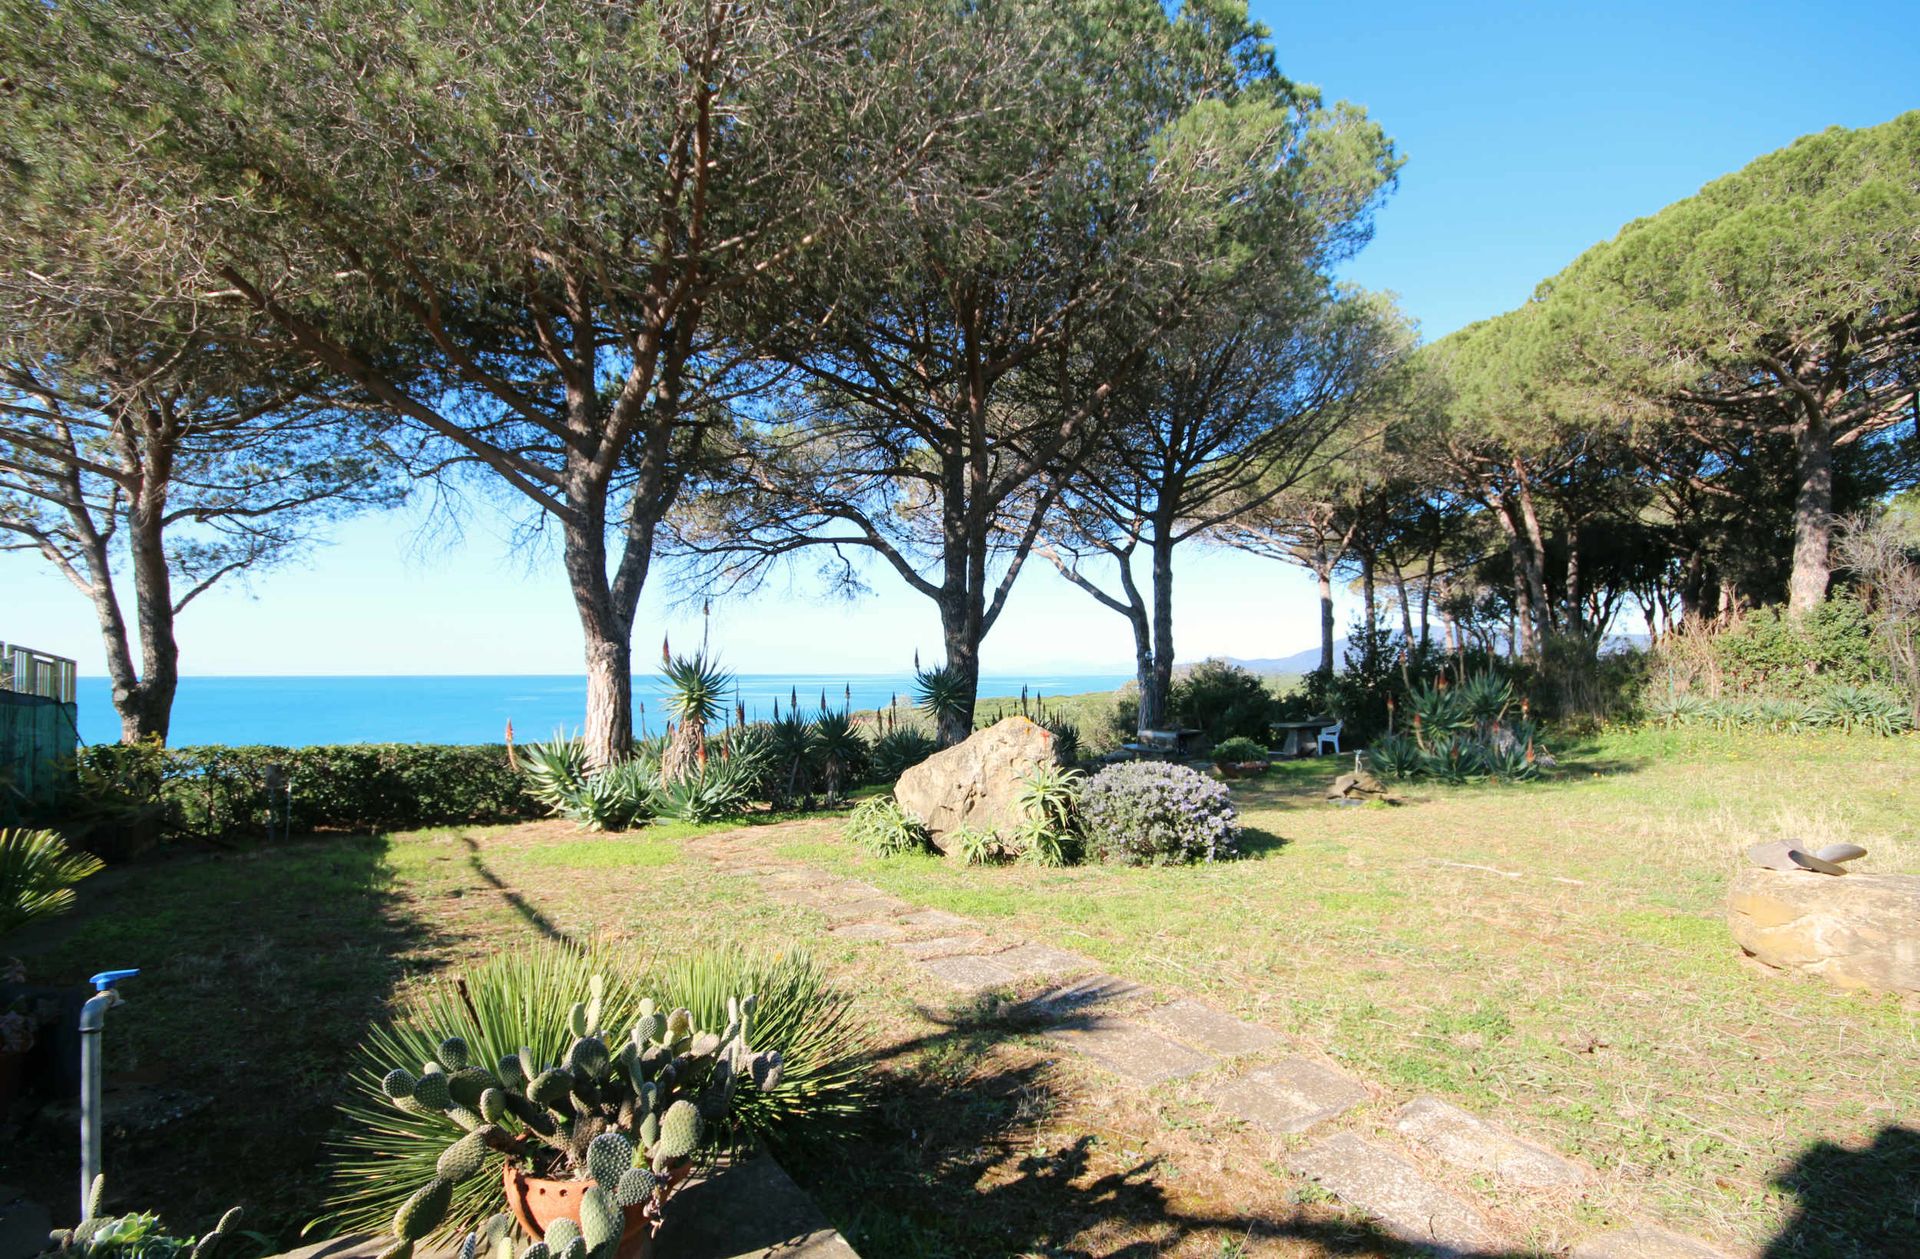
1152 813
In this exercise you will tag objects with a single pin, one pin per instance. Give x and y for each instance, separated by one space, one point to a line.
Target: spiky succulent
626 1112
136 1233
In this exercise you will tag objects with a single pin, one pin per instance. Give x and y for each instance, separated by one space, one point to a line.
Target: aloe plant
696 696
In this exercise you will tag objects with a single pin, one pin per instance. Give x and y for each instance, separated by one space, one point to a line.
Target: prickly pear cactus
628 1115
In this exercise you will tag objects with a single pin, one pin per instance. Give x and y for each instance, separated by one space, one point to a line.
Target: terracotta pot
536 1202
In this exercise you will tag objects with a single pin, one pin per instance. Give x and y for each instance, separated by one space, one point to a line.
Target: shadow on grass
954 1164
521 905
260 971
1853 1204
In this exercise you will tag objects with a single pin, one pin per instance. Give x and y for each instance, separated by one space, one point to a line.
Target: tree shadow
521 905
1853 1203
260 973
953 1164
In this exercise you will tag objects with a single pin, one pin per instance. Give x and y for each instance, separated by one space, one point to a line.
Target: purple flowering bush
1150 813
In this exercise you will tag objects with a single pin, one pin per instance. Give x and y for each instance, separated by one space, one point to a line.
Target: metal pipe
93 1021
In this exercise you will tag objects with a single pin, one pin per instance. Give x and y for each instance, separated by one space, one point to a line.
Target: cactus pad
679 1132
609 1158
422 1213
600 1222
453 1052
550 1087
431 1091
398 1083
561 1232
464 1158
636 1186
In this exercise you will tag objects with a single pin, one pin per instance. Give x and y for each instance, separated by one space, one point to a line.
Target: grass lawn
1552 955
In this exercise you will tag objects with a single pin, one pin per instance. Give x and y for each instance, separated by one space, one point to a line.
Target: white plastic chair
1330 734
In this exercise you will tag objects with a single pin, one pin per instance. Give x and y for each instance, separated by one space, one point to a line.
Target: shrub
1223 700
883 828
896 753
1153 813
225 793
1238 751
527 999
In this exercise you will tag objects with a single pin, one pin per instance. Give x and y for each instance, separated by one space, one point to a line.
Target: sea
299 711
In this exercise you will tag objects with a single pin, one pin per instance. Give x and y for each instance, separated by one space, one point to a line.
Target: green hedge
132 795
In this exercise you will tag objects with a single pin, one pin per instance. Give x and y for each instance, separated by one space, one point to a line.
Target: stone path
1383 1166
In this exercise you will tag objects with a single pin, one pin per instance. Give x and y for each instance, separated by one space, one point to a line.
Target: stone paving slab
1212 1030
1130 1049
935 918
1643 1241
1470 1142
967 972
866 931
946 946
1030 961
1389 1188
1080 994
865 907
1290 1096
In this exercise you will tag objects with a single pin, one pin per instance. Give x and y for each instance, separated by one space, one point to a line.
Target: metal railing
33 672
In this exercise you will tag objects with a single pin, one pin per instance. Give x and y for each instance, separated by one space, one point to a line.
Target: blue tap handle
108 978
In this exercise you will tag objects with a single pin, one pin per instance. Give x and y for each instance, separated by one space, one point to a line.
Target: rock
1780 855
975 783
1862 931
1840 852
1359 785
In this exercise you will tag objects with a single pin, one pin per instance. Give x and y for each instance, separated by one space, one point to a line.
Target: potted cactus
597 1142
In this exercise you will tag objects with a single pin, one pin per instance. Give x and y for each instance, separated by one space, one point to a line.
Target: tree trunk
1576 619
1163 621
1812 513
1369 601
1521 636
1535 554
147 712
1323 571
1151 716
1406 604
960 630
1426 604
608 638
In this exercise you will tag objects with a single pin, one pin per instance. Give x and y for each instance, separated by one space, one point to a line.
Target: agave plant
37 874
1396 756
898 751
1049 804
885 829
718 790
840 752
696 696
791 740
943 694
618 797
526 1003
555 771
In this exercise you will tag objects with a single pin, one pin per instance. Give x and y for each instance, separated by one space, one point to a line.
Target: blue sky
1531 131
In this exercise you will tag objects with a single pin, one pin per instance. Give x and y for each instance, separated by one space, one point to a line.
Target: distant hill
1299 662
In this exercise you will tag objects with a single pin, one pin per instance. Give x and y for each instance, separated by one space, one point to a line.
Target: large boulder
975 783
1855 930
